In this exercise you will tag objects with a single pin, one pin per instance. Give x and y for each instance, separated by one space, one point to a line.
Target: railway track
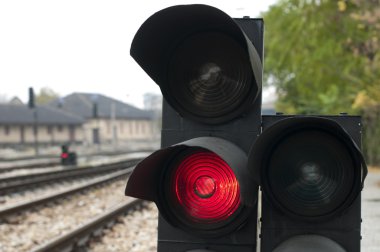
9 166
40 220
77 213
18 183
26 205
79 236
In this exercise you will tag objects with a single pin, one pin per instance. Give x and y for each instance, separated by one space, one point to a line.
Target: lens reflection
310 172
210 75
204 186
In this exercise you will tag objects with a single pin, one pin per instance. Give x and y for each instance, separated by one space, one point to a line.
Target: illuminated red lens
64 155
206 187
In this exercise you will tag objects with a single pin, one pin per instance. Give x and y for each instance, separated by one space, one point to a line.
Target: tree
321 54
46 95
324 58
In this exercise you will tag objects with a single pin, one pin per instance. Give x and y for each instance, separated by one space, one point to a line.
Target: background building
21 125
107 120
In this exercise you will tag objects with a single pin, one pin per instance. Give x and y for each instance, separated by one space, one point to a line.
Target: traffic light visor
203 62
311 243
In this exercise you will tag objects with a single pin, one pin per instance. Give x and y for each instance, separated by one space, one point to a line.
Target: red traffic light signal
200 185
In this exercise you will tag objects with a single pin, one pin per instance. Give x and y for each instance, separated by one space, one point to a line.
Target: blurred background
321 57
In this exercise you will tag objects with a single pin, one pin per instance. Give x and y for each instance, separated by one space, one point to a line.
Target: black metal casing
310 204
242 131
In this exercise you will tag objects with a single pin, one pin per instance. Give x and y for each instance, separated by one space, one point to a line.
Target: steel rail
78 237
17 183
5 166
25 205
47 161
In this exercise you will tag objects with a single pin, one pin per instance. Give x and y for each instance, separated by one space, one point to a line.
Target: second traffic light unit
209 69
311 172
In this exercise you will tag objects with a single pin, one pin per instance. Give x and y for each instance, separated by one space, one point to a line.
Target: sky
83 45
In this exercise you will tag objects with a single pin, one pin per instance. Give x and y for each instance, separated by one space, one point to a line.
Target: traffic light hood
311 243
207 68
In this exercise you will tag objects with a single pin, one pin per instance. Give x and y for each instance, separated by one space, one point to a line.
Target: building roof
82 104
22 114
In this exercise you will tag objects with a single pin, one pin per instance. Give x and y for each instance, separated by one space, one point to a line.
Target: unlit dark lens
210 75
310 172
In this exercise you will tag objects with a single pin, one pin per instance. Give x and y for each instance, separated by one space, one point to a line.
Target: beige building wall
9 134
13 134
123 129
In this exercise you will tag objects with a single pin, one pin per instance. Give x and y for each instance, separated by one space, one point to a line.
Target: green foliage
46 95
323 57
371 133
320 54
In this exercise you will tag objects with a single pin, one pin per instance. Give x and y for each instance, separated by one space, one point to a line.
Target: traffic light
68 158
209 69
311 172
64 155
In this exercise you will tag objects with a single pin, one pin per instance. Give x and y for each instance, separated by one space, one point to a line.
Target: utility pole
31 105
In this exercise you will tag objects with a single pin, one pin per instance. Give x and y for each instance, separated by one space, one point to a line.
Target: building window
130 125
60 128
121 127
140 127
108 127
7 129
143 128
49 129
137 127
72 133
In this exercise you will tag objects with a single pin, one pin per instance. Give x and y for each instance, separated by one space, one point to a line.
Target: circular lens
203 189
310 173
210 77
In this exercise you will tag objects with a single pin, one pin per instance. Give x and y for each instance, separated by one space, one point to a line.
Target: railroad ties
61 209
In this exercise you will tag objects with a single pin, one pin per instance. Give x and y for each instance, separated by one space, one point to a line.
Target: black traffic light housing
205 65
209 69
68 158
311 172
310 168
